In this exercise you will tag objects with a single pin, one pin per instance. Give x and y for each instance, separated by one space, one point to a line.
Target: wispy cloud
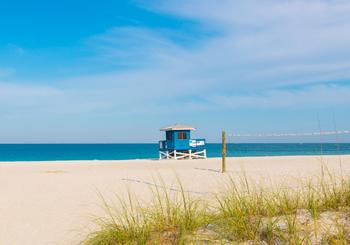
133 46
260 48
256 46
316 97
255 36
247 54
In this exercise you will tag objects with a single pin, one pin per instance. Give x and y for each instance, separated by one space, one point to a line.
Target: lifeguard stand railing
196 150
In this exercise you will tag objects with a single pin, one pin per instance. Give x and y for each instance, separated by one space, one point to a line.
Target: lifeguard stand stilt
179 145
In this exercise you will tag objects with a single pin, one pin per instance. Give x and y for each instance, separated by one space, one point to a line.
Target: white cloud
39 100
312 97
255 36
253 47
132 46
250 55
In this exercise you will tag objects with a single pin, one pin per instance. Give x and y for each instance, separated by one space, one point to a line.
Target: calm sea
47 152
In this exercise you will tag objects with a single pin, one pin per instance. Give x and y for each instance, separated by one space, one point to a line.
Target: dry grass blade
243 212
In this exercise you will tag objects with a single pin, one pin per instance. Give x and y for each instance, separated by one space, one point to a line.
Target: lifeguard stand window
169 135
182 135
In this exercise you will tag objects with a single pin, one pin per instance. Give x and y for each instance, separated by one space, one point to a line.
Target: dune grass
167 219
242 212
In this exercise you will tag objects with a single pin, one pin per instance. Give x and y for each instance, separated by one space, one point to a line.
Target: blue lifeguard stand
179 145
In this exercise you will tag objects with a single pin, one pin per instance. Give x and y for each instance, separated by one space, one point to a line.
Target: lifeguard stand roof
177 127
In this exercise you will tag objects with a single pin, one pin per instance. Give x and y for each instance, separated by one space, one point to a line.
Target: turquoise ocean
55 152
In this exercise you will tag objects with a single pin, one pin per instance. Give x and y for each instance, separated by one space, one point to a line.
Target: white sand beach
55 202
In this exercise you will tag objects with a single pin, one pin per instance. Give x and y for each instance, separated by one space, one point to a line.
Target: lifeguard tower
179 145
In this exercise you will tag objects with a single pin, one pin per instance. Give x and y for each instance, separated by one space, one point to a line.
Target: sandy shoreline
53 202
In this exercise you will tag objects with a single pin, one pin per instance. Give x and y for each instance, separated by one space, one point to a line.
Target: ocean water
52 152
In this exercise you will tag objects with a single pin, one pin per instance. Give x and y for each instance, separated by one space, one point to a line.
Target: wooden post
223 166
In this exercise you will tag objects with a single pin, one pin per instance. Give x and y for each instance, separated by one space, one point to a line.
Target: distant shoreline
82 161
212 143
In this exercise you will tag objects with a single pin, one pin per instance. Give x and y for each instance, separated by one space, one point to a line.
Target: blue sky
117 71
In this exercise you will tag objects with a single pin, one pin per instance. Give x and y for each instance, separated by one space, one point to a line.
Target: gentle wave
54 152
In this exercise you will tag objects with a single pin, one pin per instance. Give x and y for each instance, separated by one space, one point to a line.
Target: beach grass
317 212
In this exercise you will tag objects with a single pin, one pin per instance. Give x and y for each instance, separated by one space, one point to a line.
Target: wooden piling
223 152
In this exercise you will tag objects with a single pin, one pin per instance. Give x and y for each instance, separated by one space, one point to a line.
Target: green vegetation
317 213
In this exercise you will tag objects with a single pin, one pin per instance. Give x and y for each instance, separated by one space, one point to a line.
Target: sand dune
54 202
